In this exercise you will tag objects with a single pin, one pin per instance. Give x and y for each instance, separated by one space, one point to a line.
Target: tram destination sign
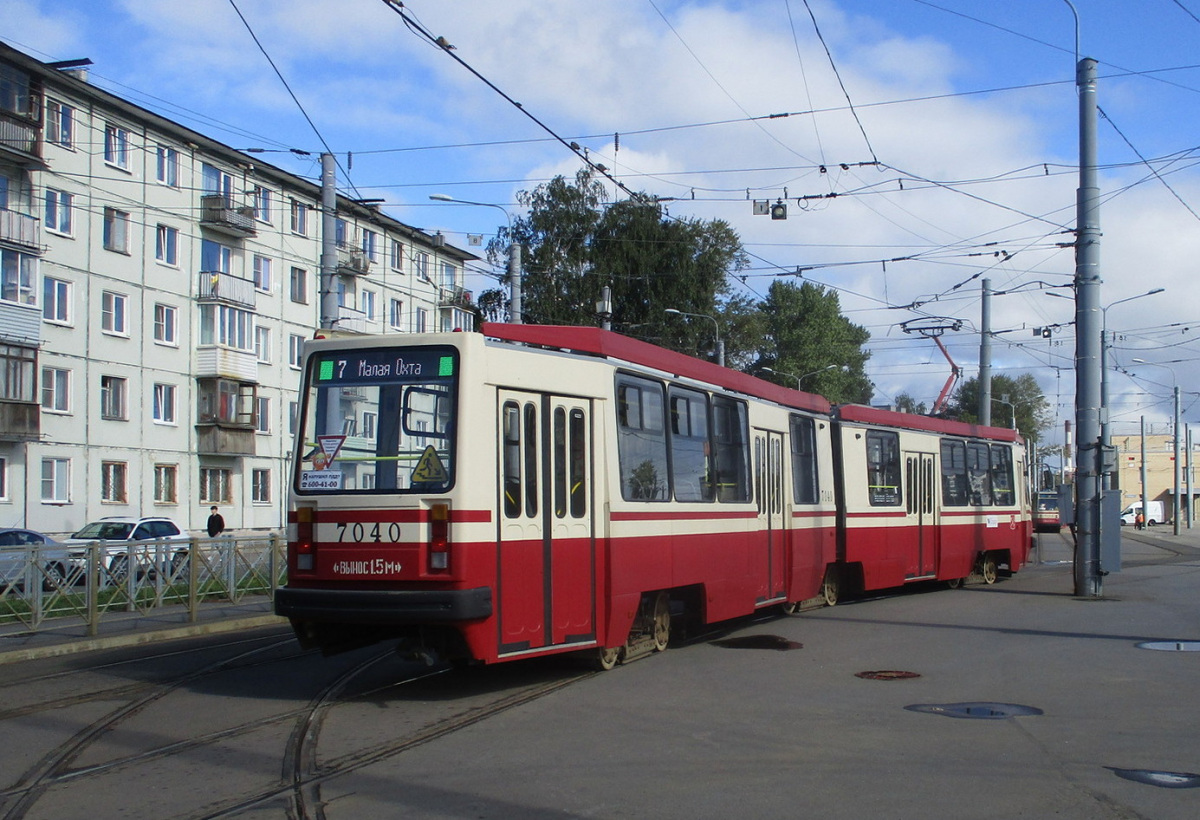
389 365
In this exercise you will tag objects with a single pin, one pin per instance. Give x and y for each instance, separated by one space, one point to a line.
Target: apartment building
157 287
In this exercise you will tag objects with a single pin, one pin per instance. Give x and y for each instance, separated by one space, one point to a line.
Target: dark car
16 559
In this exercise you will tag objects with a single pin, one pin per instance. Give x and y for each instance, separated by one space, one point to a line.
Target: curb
138 638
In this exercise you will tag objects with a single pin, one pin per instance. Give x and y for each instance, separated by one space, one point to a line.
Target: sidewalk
117 630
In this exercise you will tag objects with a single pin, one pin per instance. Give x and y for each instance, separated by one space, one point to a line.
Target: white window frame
116 145
165 404
166 245
370 244
56 390
299 218
18 273
226 326
262 415
114 313
396 314
56 481
262 273
366 303
60 124
116 230
260 197
422 321
166 324
262 344
166 164
57 300
396 257
295 351
260 485
298 285
59 216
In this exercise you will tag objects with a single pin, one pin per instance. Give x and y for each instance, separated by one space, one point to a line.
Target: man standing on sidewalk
216 524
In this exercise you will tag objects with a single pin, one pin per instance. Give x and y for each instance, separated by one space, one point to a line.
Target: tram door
545 584
769 500
921 514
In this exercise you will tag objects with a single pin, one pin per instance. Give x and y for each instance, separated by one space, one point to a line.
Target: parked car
1154 513
15 546
116 534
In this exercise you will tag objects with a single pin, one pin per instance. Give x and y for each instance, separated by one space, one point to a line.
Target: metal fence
43 585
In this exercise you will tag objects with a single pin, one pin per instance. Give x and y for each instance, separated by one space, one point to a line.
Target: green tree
1020 396
905 403
805 335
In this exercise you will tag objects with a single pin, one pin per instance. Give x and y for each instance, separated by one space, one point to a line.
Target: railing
18 134
225 287
19 229
89 583
219 213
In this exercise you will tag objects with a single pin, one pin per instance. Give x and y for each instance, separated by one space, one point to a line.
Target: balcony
20 421
19 136
218 361
352 321
218 214
21 230
217 286
353 261
456 296
219 439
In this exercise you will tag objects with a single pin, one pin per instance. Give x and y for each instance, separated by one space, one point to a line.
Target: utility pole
328 292
514 280
985 356
1178 467
1090 455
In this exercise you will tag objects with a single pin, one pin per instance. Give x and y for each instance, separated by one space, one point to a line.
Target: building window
295 350
215 181
113 313
215 257
166 245
299 218
370 422
366 303
421 265
227 326
19 272
422 320
113 398
60 124
449 275
166 483
113 482
56 300
164 324
299 285
3 478
226 401
215 485
397 255
262 418
293 414
56 390
167 166
116 230
17 376
116 146
261 480
56 480
58 211
370 244
262 344
262 273
396 314
164 403
261 198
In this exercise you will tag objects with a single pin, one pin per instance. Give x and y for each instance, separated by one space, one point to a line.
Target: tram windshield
378 420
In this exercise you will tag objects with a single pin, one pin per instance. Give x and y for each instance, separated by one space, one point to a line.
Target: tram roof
600 342
912 421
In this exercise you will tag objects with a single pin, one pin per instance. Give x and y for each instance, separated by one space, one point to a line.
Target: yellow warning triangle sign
430 469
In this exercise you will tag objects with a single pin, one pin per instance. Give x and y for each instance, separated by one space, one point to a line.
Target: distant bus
1045 514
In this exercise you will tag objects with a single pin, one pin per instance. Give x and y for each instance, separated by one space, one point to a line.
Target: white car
147 535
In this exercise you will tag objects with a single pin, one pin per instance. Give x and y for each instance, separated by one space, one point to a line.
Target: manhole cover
1171 646
978 711
886 674
759 642
1164 780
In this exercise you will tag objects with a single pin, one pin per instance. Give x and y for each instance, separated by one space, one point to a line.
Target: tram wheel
955 583
987 568
790 608
662 622
607 657
830 589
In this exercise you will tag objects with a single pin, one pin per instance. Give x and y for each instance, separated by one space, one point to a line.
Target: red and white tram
531 490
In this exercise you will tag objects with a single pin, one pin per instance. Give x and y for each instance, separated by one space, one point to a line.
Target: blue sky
957 121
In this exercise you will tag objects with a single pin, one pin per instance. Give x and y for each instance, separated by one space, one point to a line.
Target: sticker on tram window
429 469
320 480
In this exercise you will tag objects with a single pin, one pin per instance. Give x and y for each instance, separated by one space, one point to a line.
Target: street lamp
1012 407
514 254
1175 494
716 326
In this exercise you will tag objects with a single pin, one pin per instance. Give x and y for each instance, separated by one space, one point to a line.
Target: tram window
883 468
1002 476
511 420
690 469
560 463
804 460
531 465
577 431
641 440
731 449
979 474
954 474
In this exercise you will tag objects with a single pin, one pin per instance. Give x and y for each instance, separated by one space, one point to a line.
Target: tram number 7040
358 532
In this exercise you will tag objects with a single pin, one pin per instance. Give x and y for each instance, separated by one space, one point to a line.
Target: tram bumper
383 606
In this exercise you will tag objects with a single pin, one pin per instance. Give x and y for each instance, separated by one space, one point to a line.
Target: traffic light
779 210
